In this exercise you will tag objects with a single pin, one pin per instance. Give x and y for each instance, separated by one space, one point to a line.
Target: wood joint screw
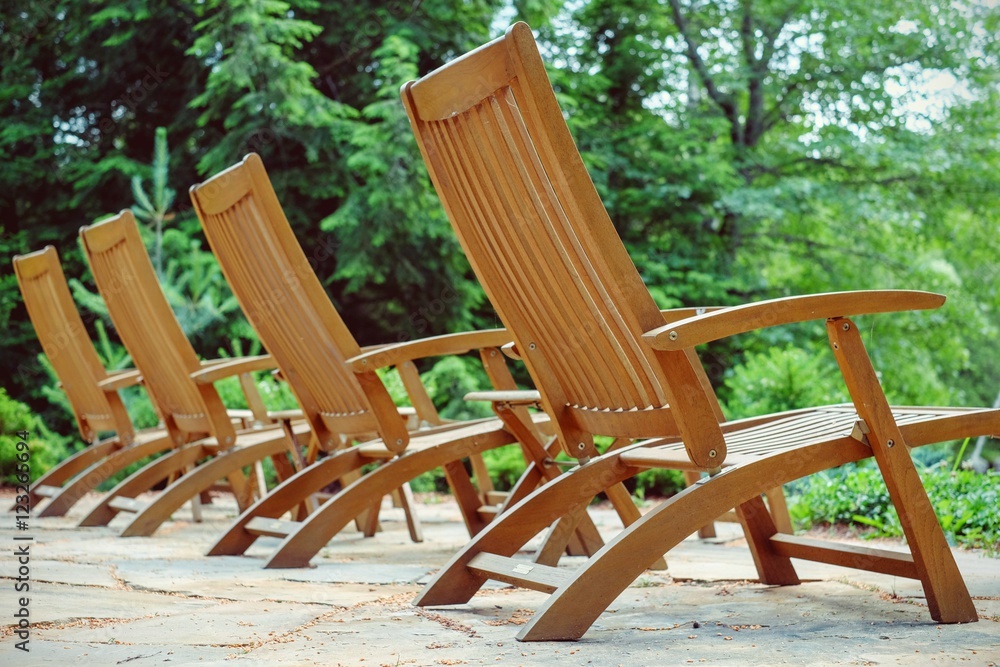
890 443
712 453
581 446
399 441
846 326
672 335
531 346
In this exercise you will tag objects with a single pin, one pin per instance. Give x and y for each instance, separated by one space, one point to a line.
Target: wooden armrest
286 415
436 346
675 314
229 367
513 397
762 314
120 380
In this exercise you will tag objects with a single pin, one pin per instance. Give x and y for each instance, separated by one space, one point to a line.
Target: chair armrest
120 380
725 322
436 346
218 371
286 415
528 397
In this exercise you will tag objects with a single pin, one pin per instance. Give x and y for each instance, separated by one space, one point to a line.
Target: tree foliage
744 148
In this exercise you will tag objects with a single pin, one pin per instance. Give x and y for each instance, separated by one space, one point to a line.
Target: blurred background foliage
745 150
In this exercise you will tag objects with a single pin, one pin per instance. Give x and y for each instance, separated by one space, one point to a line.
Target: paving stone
100 600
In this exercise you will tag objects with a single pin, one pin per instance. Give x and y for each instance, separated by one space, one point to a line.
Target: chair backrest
64 340
540 240
286 304
147 326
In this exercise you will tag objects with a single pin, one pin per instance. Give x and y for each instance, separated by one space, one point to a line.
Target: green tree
758 149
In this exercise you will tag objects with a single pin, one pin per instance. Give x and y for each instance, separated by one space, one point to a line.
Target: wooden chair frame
343 399
91 389
522 203
208 447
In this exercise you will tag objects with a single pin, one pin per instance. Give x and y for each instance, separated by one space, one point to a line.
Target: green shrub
854 495
44 447
450 379
782 379
658 482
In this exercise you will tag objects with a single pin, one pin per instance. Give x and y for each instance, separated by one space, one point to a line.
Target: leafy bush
450 379
505 465
44 447
782 378
658 482
854 495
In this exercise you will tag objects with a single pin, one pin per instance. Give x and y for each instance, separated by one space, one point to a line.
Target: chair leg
99 472
455 583
143 480
370 524
71 467
629 514
228 464
467 496
708 530
560 536
573 608
948 597
759 527
405 495
320 527
286 497
778 507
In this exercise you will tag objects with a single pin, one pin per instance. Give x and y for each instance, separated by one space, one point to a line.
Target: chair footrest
265 526
488 512
123 504
496 497
520 572
46 491
845 555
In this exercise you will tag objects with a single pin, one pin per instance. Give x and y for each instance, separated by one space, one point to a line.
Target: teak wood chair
208 447
342 397
91 389
522 203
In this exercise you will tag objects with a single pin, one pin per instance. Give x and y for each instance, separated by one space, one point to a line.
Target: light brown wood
522 573
341 396
225 368
435 346
120 380
947 595
724 322
515 189
845 555
91 389
180 385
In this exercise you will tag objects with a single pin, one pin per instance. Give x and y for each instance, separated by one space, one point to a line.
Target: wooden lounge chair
343 398
91 389
515 189
208 447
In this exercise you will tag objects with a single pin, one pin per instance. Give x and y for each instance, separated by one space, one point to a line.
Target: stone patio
97 599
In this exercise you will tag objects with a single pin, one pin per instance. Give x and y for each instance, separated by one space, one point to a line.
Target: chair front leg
947 595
